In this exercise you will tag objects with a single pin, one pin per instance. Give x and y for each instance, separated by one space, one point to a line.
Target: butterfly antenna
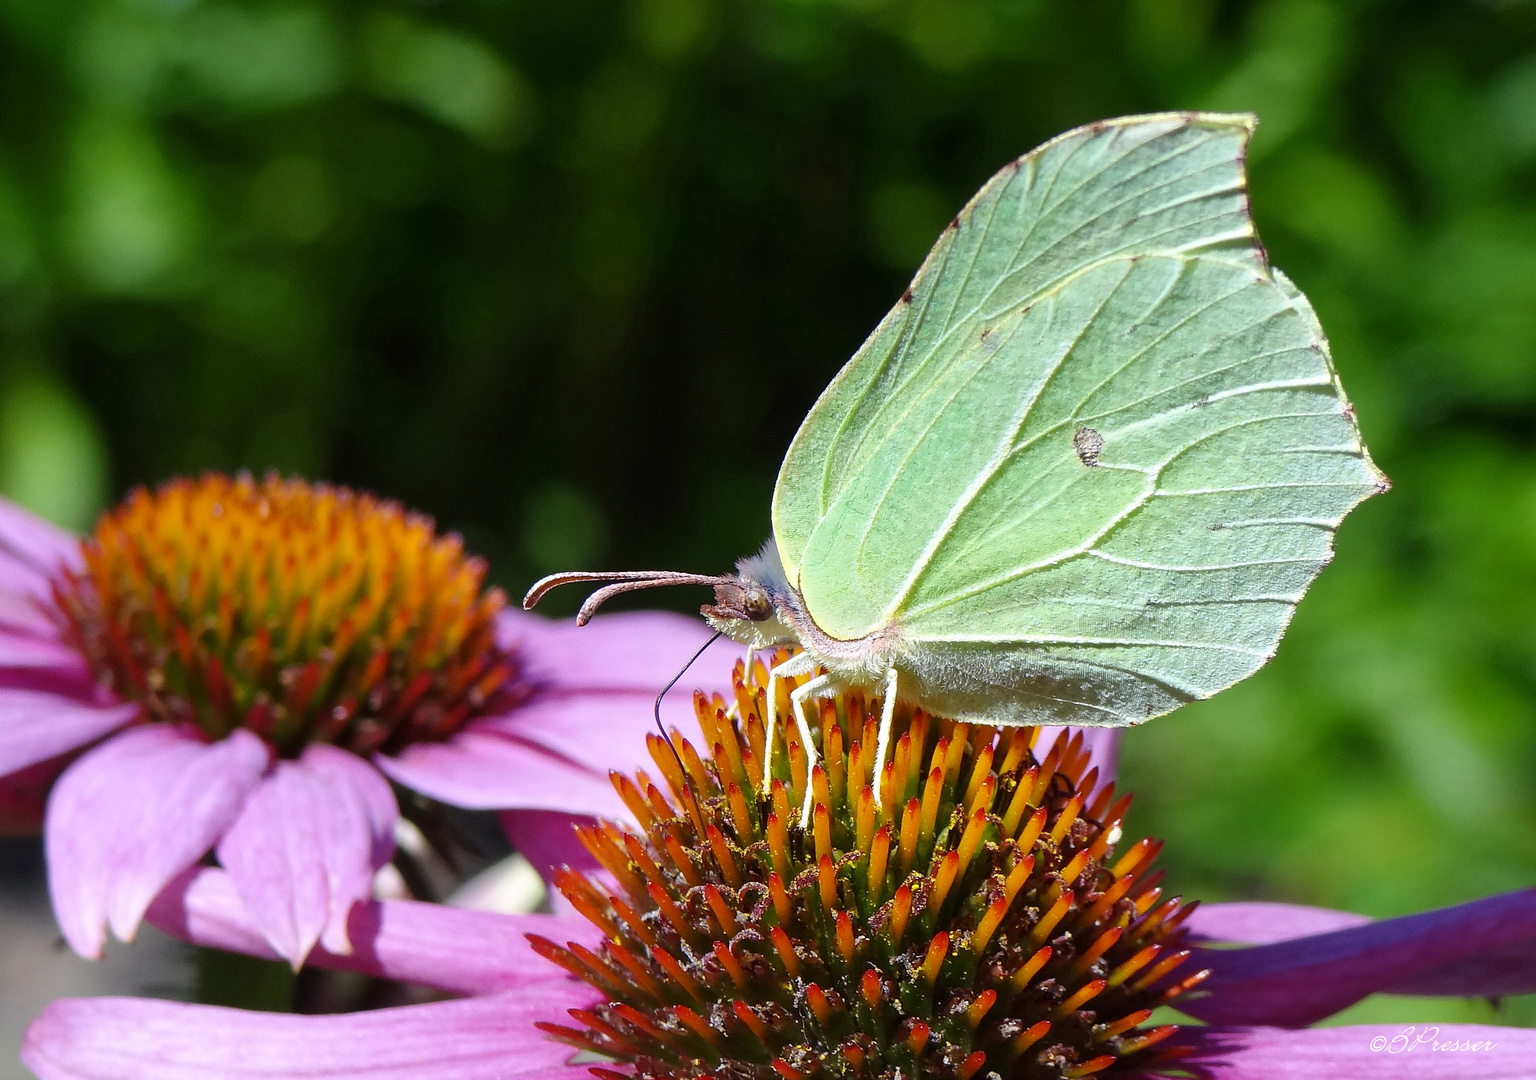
681 768
620 581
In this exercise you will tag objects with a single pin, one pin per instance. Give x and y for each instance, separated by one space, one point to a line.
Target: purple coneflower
988 921
248 664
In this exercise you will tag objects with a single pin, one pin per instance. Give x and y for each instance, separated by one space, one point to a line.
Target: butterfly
1082 472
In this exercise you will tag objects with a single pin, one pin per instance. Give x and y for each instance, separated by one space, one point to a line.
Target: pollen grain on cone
977 926
301 612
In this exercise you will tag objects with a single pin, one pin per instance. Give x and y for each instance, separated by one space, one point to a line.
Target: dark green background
567 275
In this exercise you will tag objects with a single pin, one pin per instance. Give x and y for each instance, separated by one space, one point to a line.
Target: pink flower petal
1253 923
547 839
22 651
1486 944
340 765
302 851
632 651
597 731
1374 1052
41 546
489 1038
36 726
132 814
1503 971
23 596
482 771
452 949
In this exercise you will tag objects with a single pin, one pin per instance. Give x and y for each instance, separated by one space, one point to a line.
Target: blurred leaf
18 253
950 33
130 220
1480 294
52 460
122 53
1512 105
563 529
672 28
906 216
1167 35
1334 201
450 76
266 58
292 196
1294 49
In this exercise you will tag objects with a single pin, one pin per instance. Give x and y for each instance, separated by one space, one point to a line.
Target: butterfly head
747 606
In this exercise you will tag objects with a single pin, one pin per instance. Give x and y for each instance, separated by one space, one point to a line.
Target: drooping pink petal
339 765
452 949
36 726
547 839
23 600
40 545
1503 971
1256 923
482 771
1297 982
488 1038
599 731
636 651
132 814
303 849
1370 1052
21 651
596 685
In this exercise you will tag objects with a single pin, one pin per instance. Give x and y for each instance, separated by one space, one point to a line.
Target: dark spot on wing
906 296
986 332
1087 443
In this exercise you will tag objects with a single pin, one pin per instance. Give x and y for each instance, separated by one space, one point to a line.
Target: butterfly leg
819 685
797 665
883 740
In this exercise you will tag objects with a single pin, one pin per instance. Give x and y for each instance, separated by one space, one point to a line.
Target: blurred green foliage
567 275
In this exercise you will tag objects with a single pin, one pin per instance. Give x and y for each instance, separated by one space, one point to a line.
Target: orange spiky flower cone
979 924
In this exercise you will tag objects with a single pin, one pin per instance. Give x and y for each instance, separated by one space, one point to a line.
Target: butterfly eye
756 605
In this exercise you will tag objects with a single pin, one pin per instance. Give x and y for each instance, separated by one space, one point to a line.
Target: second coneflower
247 664
983 919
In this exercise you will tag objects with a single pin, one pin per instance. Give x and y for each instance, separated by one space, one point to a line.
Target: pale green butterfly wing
1171 182
1100 488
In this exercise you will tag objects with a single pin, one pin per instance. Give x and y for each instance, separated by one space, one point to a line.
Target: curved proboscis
621 581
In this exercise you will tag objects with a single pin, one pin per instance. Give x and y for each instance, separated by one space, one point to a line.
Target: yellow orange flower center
300 612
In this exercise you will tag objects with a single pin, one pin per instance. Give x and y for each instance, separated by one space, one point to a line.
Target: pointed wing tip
1247 121
1243 122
